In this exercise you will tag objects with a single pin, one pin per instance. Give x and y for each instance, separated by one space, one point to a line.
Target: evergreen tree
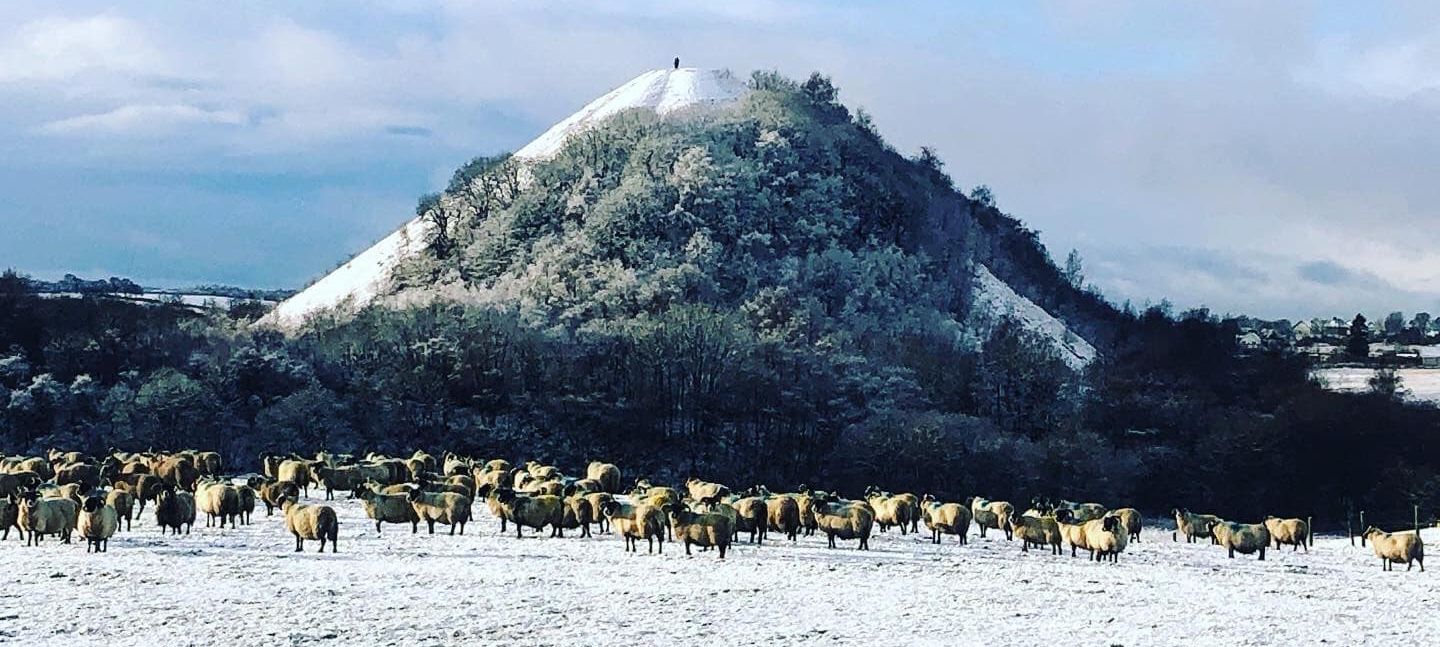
1357 343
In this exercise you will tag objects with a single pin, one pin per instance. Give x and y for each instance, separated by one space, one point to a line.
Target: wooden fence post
1363 528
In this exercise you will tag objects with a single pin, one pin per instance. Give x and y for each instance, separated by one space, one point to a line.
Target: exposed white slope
663 91
995 300
364 277
245 587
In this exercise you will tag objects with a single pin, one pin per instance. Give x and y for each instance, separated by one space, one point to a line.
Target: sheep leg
299 543
687 548
430 523
1262 554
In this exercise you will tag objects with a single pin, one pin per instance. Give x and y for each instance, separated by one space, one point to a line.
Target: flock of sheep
65 492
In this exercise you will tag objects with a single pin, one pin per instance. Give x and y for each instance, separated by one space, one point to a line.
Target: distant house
1336 327
1249 341
1302 331
1429 356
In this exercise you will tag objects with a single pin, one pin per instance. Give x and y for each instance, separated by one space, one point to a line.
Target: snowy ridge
994 299
663 91
364 277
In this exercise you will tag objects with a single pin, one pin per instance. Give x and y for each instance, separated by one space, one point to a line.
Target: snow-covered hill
364 277
995 300
245 587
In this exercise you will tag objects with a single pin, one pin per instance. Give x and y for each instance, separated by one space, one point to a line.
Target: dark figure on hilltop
677 62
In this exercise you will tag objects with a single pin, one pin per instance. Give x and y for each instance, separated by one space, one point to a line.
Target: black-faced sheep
945 519
448 508
532 511
704 529
388 508
38 516
844 520
1132 521
636 522
1036 530
97 524
174 509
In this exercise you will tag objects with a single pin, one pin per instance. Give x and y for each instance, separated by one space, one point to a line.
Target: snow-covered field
246 587
1419 383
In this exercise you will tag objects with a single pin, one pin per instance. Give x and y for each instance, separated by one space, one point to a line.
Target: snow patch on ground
365 277
995 300
1420 384
245 587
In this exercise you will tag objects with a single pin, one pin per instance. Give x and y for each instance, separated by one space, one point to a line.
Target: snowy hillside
245 587
995 300
363 278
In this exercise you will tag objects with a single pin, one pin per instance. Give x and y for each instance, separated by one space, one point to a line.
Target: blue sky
1272 158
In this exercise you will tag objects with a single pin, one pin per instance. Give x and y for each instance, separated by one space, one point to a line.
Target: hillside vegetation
767 292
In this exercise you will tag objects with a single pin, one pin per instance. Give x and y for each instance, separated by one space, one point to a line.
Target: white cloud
142 119
60 49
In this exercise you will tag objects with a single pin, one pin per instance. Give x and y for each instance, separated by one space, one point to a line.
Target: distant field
1421 383
244 586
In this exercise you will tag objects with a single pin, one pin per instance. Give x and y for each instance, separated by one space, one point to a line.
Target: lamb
124 504
173 509
1242 538
607 474
311 522
534 511
1396 548
1295 532
844 520
636 522
448 508
783 514
97 524
388 508
1130 518
38 517
701 529
992 514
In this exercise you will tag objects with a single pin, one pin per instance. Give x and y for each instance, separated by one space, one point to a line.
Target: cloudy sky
1273 158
